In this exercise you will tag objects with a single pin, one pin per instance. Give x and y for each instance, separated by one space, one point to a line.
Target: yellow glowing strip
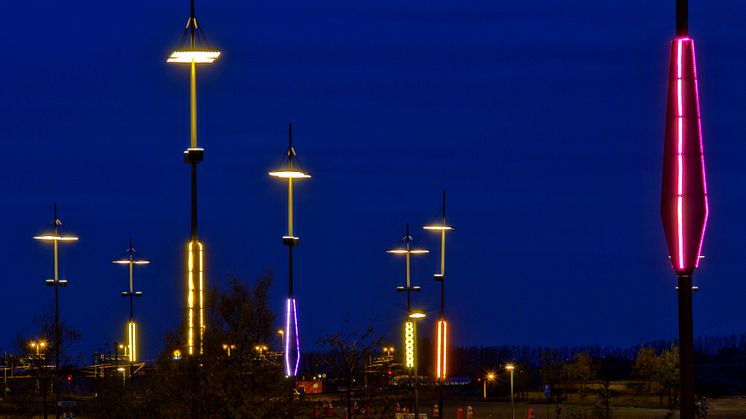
196 56
50 237
190 300
201 298
193 104
405 251
132 333
290 174
438 227
134 262
409 344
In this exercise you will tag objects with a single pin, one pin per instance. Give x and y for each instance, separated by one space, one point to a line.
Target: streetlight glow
187 56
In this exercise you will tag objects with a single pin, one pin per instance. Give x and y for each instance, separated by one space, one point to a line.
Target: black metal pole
56 379
441 408
686 346
682 17
416 377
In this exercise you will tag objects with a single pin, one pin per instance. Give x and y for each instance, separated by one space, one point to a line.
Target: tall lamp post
291 171
55 236
40 346
442 332
194 49
684 205
408 288
511 368
488 377
414 316
130 260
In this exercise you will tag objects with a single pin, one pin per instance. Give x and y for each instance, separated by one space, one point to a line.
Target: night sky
544 120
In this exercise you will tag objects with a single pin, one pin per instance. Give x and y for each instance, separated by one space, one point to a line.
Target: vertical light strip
440 345
680 162
132 334
297 341
201 298
409 344
701 152
287 338
190 299
445 349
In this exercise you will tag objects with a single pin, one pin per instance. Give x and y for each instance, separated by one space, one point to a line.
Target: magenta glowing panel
684 194
292 343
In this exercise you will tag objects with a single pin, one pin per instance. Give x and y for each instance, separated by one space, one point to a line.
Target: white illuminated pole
55 236
130 260
409 335
511 368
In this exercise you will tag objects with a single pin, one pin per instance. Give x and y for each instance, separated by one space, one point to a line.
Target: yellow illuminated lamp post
39 346
228 347
196 51
291 172
55 236
412 354
511 368
130 260
488 377
408 288
442 332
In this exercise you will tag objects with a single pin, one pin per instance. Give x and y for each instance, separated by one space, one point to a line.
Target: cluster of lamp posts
684 211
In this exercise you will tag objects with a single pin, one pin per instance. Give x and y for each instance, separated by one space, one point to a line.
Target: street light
291 171
414 316
442 332
489 377
39 346
409 335
196 51
228 347
55 236
130 259
684 203
511 368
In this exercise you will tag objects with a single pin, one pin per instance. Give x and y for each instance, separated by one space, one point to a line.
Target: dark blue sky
544 121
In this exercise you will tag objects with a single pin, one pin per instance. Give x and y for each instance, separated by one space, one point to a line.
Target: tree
646 365
580 371
667 373
347 352
240 383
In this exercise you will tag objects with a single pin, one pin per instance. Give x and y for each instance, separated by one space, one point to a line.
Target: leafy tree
580 371
667 374
646 365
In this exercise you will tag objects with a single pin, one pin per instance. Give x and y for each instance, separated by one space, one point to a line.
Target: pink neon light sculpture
684 194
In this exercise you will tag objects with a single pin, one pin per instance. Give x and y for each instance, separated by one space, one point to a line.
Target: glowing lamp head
55 237
437 227
510 367
417 315
134 262
403 251
289 174
490 376
197 56
684 206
